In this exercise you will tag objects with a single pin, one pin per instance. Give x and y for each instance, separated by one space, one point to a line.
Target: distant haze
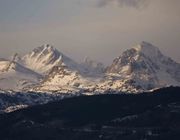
99 29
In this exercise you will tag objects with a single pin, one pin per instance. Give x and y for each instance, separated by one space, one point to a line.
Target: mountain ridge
141 68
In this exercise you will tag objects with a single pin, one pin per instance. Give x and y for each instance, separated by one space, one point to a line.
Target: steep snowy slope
44 58
62 79
14 76
144 67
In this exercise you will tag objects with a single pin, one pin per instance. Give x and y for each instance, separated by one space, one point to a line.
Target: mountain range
45 69
42 96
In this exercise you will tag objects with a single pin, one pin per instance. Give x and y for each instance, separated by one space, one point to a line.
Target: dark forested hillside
150 116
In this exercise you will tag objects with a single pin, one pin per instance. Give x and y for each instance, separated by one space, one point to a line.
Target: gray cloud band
129 3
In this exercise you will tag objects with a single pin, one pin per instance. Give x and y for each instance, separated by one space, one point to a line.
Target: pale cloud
129 3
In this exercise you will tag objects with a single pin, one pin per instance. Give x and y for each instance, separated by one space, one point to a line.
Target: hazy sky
100 29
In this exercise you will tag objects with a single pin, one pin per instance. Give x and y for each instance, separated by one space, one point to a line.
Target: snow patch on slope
14 76
44 58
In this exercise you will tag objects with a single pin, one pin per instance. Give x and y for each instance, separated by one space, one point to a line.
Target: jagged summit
42 59
45 50
139 56
147 49
145 46
145 67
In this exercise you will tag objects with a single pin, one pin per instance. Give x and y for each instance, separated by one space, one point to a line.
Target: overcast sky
100 29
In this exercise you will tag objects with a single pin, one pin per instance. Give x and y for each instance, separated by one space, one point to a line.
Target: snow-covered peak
42 59
145 46
138 57
147 50
145 67
44 50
